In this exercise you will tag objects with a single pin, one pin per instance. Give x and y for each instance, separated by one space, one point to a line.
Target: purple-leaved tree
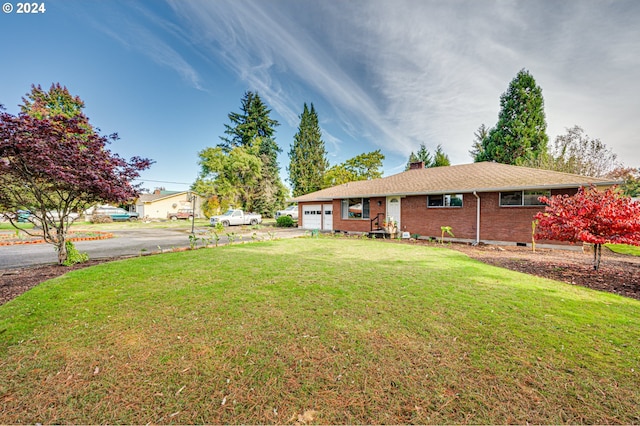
54 163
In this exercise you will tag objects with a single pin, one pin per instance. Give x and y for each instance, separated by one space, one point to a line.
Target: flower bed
13 238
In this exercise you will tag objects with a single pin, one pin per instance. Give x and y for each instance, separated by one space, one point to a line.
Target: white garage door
311 217
327 217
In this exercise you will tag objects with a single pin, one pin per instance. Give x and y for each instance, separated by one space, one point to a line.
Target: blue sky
386 75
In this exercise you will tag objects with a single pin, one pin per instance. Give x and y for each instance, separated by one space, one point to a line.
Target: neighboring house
160 203
481 202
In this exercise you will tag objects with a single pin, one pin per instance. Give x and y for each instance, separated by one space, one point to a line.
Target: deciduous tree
631 178
53 163
575 152
590 216
521 129
308 157
365 166
227 178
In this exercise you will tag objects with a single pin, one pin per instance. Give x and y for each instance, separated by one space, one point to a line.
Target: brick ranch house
482 202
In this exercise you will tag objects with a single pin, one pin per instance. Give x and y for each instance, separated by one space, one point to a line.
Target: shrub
285 222
101 218
73 255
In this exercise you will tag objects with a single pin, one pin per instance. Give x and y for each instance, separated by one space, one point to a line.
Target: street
128 242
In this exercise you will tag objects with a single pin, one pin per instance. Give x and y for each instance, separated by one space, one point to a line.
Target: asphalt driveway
129 242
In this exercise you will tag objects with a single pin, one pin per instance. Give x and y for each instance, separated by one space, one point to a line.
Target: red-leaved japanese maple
590 216
56 165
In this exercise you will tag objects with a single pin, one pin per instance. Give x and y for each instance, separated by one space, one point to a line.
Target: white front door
327 217
393 210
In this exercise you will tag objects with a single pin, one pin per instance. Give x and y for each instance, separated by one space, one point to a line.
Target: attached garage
312 216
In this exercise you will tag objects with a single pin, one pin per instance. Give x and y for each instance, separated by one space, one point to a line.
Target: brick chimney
416 165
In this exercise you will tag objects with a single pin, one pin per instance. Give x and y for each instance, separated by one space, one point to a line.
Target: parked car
116 213
291 211
24 215
181 214
236 217
55 215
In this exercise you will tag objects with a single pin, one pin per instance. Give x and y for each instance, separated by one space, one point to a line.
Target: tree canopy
437 159
365 166
251 122
520 133
242 171
308 157
53 163
575 152
590 216
228 177
630 177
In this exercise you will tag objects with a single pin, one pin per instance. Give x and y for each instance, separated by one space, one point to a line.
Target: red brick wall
497 223
358 225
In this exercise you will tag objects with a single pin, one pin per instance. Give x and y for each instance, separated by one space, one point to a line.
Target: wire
162 181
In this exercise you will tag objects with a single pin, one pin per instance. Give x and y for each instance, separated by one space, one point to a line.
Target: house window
444 200
522 198
355 208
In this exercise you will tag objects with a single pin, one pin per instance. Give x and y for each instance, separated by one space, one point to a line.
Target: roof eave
462 191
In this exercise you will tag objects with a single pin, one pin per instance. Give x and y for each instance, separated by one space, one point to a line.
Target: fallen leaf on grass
305 418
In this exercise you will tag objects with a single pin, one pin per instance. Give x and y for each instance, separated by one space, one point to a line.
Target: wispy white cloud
402 73
144 40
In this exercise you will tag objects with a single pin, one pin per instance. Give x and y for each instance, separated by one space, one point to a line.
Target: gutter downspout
475 194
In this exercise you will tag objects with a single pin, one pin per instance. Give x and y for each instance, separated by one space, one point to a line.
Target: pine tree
251 122
520 133
252 131
479 142
437 159
308 157
440 159
423 155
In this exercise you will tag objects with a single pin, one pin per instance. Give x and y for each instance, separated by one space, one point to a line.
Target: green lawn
344 330
8 226
624 249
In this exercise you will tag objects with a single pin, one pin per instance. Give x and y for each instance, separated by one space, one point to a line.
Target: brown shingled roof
480 177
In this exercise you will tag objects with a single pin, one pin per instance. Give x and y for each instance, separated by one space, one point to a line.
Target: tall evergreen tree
520 133
422 155
251 133
308 157
437 159
477 149
440 159
251 122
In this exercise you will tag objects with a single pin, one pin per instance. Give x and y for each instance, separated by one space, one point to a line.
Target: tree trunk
61 247
597 255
